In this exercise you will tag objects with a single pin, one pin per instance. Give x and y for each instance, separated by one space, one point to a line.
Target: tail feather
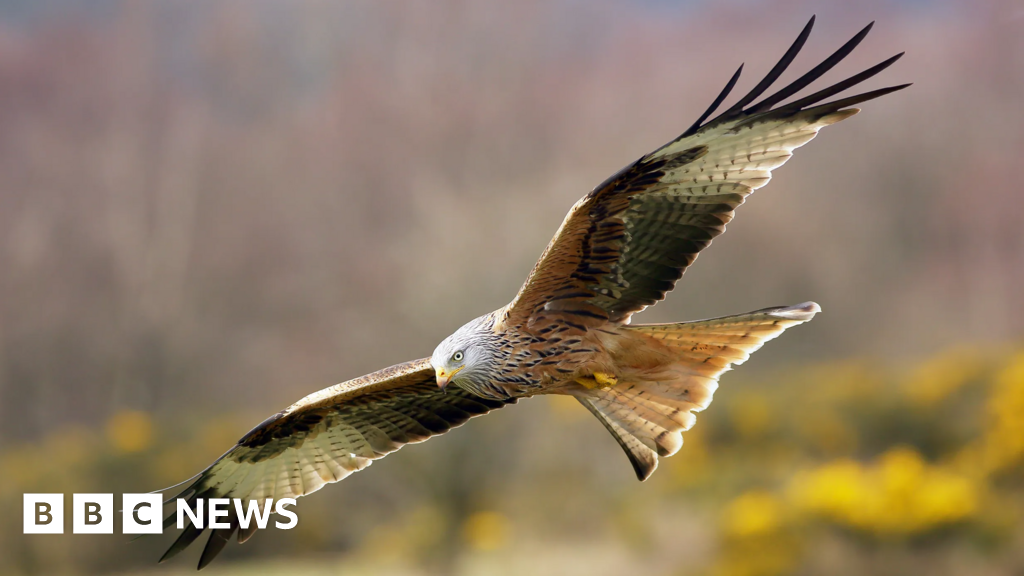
643 458
648 416
730 340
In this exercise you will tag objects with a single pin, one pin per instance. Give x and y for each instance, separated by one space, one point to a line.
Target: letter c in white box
141 514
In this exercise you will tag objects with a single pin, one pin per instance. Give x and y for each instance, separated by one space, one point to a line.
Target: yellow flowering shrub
898 495
1001 445
130 431
754 513
486 530
855 445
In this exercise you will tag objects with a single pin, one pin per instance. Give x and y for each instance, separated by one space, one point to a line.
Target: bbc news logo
141 513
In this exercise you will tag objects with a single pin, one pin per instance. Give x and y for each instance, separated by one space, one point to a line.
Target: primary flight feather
620 249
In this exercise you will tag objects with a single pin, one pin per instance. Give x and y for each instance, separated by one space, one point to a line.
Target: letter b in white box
43 514
141 514
92 514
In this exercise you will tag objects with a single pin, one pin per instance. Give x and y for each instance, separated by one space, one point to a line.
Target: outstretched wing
623 246
325 437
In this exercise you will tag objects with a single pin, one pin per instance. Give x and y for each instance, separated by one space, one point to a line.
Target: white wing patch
740 157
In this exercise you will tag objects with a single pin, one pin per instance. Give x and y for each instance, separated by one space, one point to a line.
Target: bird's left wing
325 437
623 246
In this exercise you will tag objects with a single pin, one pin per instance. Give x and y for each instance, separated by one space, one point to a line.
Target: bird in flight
621 248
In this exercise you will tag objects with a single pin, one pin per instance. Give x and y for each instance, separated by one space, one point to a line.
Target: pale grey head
469 357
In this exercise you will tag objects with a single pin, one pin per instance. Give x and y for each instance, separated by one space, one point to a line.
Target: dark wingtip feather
774 73
857 99
839 86
765 105
812 75
188 534
215 544
717 102
187 537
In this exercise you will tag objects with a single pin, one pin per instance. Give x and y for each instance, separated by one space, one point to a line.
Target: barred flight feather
324 438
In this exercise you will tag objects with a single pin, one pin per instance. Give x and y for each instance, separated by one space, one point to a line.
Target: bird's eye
457 356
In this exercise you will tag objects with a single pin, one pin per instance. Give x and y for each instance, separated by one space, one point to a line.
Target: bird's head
465 356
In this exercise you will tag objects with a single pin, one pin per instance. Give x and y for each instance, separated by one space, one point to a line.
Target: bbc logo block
92 513
44 514
140 514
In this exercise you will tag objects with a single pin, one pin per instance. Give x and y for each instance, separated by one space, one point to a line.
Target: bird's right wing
325 437
623 246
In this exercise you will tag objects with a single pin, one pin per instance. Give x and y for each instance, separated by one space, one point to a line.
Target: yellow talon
588 383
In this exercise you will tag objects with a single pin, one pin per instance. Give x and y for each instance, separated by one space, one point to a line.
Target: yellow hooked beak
444 377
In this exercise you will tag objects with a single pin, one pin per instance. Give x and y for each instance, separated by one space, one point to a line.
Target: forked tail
648 417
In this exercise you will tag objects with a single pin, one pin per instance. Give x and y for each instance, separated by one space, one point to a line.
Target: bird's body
555 358
620 249
558 357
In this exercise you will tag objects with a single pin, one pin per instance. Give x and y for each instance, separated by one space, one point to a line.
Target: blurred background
211 209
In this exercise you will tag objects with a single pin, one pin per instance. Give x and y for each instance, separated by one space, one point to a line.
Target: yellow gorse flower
900 494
